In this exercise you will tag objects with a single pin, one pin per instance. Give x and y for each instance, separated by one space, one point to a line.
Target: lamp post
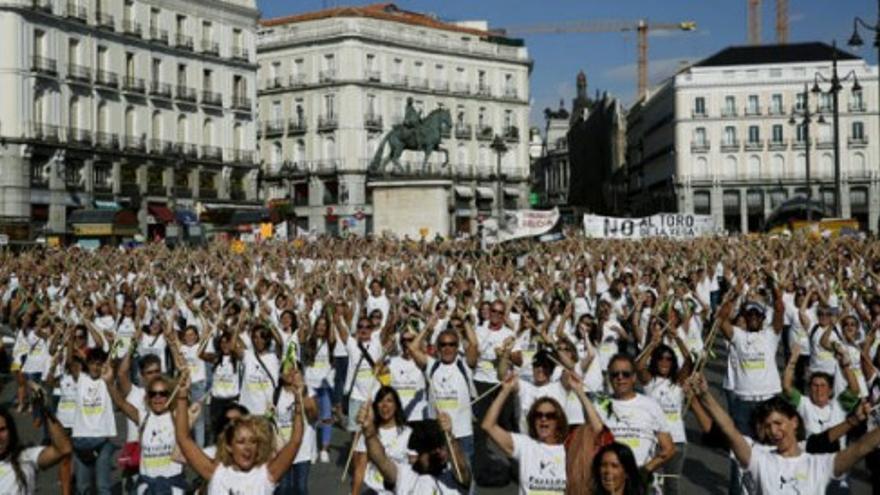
500 148
806 119
855 40
835 81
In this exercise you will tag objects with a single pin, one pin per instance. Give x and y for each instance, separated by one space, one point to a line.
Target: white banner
280 231
520 223
673 225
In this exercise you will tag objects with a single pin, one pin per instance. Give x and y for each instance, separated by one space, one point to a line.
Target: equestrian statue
414 134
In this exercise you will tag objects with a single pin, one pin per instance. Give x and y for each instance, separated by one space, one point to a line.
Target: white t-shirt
28 462
394 441
67 400
409 381
755 372
228 480
821 359
541 466
195 364
37 350
157 446
360 379
257 386
226 383
284 420
154 344
94 410
608 346
411 483
452 395
806 474
670 397
488 341
321 373
818 419
635 423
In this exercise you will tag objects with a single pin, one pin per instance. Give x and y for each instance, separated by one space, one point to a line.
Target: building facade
334 82
147 105
719 138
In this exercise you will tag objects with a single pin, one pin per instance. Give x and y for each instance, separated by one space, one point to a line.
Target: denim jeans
93 465
295 480
197 391
340 365
325 413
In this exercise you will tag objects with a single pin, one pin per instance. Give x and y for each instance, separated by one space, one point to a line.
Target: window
156 74
154 18
857 101
824 102
508 119
700 136
371 105
775 72
207 31
481 118
371 62
462 77
329 105
73 51
459 115
754 134
274 70
699 105
129 64
801 133
39 42
181 25
300 113
237 37
858 131
777 133
181 74
128 10
729 105
800 101
207 80
753 104
730 135
329 62
103 57
481 79
776 103
276 110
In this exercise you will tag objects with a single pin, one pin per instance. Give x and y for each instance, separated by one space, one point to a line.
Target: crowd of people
566 367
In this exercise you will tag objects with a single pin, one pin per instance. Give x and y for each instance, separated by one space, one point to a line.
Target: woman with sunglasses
662 379
390 425
160 467
541 453
246 460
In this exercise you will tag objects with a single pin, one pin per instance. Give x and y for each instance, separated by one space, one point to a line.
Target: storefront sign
88 229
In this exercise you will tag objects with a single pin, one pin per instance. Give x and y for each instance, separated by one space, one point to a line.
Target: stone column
845 205
57 194
873 203
743 211
716 198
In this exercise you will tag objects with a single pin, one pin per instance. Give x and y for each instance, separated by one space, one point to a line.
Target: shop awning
464 192
186 217
92 216
161 212
240 217
92 223
485 193
511 191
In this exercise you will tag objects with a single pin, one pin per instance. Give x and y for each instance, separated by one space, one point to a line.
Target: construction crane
754 21
641 27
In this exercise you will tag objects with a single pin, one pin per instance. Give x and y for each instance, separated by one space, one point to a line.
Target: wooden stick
455 464
357 434
486 393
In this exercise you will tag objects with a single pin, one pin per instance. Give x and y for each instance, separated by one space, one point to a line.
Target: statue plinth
411 207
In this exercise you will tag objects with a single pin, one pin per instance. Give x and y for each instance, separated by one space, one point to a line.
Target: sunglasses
548 415
447 344
620 374
158 393
497 311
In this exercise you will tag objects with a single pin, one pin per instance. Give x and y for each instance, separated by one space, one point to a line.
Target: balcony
799 144
775 110
752 111
699 114
243 157
754 145
42 5
106 78
106 141
274 83
160 147
134 85
208 193
399 80
824 143
185 93
484 90
105 21
777 145
441 85
373 76
857 141
485 133
212 98
159 35
242 103
135 143
79 137
462 131
132 28
78 13
327 123
461 88
700 147
240 53
327 75
728 112
44 66
373 122
79 73
184 42
160 89
510 94
186 150
274 128
730 146
182 191
297 80
511 133
211 47
418 82
212 153
296 126
857 106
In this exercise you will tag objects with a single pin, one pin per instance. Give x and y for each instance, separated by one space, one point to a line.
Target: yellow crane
641 27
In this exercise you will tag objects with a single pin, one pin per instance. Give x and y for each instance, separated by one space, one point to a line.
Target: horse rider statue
412 118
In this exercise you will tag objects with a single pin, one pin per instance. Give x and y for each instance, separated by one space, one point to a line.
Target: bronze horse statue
425 137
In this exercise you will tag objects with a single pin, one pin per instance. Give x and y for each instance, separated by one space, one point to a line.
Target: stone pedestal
406 207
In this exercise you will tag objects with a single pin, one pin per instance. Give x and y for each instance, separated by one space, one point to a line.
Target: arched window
754 166
777 165
276 159
730 166
299 151
208 133
130 122
182 131
330 148
701 167
858 165
157 125
103 117
461 155
73 116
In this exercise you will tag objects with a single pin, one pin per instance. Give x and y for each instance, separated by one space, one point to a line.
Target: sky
609 59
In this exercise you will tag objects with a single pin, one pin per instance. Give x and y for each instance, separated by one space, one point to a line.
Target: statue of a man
412 117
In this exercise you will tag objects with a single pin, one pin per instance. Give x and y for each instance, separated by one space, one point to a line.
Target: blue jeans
92 465
197 391
325 414
467 446
295 480
340 364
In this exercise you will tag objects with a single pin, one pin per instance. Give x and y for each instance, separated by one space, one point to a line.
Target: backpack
472 391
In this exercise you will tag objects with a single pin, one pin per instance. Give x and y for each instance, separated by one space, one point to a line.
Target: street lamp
500 148
806 120
835 81
855 40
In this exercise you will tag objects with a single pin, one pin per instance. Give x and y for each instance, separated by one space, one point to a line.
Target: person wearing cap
753 350
94 427
438 467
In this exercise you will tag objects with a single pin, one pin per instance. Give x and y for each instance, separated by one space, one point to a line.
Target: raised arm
375 451
788 375
126 407
741 449
60 446
846 459
284 458
490 425
195 457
